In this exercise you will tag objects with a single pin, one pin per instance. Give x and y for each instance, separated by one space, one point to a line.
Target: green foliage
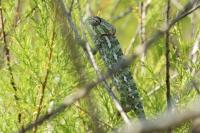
31 41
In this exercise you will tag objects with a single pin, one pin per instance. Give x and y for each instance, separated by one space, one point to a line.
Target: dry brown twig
82 92
7 53
44 83
17 13
167 52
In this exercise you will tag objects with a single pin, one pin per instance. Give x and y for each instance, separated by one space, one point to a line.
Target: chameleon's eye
95 21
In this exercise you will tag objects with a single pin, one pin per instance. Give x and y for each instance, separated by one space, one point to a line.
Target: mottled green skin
103 35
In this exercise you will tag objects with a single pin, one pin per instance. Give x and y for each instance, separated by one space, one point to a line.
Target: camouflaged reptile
103 36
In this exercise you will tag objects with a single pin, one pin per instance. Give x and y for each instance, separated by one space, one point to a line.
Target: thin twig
96 118
142 30
142 23
17 13
185 12
15 21
158 87
8 62
44 83
167 52
195 48
7 53
81 93
179 6
146 5
71 7
122 15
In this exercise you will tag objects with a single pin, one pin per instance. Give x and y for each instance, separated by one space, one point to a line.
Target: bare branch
167 52
168 95
166 121
123 14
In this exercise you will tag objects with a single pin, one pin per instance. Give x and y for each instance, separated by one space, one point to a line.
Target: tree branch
166 121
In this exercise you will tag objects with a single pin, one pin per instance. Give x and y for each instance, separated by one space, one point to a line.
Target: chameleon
103 36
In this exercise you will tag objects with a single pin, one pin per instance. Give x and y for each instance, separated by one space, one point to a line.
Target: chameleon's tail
130 98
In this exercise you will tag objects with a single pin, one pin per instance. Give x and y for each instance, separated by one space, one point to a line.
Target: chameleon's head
97 26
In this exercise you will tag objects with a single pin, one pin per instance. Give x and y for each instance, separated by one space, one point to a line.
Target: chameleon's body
103 35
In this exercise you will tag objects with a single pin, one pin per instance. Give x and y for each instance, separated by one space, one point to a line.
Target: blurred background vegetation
41 62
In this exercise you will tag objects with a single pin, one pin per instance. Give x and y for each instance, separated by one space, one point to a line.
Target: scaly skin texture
103 35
